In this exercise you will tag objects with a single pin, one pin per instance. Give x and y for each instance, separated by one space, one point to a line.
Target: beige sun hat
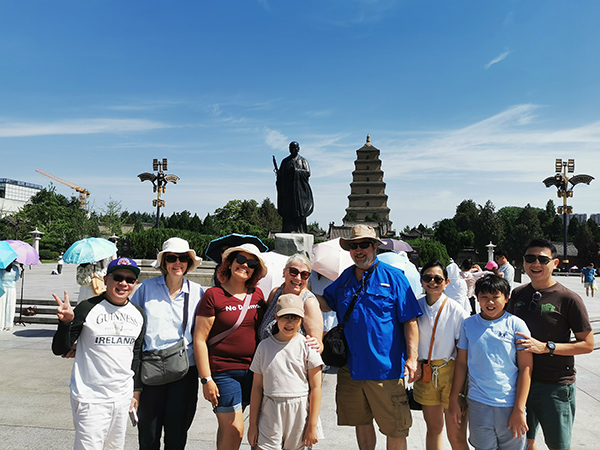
178 245
289 304
253 250
359 232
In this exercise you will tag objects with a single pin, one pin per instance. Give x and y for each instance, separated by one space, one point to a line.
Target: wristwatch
551 347
205 380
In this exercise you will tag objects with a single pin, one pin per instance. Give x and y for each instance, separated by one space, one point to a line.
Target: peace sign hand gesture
64 311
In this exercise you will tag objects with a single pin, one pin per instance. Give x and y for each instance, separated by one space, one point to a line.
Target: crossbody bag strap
434 328
357 293
219 337
186 303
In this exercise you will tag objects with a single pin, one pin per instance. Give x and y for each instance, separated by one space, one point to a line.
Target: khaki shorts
427 394
359 402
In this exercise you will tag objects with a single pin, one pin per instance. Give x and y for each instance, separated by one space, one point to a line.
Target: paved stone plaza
35 412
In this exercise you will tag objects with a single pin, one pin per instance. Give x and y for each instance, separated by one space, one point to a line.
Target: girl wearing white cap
225 339
168 301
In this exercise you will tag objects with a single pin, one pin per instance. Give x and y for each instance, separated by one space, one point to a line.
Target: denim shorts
488 428
234 389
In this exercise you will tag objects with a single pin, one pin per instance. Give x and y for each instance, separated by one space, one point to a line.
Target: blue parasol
89 250
7 254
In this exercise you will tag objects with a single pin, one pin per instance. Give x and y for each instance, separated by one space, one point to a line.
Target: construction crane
83 193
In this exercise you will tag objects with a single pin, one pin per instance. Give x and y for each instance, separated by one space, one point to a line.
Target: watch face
551 346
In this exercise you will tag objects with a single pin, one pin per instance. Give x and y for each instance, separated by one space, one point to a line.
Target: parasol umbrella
395 245
27 254
330 259
275 263
7 254
89 250
217 246
401 261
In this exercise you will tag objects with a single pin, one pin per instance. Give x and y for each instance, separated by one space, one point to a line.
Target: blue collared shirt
165 316
375 331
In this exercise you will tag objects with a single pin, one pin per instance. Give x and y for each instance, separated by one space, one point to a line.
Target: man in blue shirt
382 337
587 278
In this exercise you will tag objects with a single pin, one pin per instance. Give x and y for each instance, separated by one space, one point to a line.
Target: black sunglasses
305 274
172 258
363 245
530 259
437 279
535 299
241 259
119 278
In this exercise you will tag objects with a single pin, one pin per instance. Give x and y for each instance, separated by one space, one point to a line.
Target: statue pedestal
291 243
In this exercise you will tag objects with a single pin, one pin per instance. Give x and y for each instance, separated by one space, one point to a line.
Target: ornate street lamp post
561 181
159 181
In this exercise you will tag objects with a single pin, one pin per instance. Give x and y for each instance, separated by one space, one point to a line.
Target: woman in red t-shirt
225 339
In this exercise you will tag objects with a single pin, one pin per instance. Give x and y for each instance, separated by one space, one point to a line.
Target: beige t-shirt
284 366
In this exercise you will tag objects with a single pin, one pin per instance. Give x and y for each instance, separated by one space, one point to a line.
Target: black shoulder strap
357 293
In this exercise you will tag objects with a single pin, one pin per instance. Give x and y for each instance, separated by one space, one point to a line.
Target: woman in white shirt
434 394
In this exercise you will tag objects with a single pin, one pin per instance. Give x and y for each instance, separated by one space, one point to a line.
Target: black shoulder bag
335 345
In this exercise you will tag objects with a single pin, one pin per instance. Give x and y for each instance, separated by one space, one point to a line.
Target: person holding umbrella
168 301
8 300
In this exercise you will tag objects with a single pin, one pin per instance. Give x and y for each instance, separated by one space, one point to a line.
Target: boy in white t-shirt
286 391
499 372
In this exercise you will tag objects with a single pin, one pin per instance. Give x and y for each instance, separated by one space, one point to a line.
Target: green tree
573 228
112 217
447 233
490 228
269 218
587 246
430 249
467 214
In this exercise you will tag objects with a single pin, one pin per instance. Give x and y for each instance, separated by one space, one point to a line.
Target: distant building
595 218
14 194
367 199
580 218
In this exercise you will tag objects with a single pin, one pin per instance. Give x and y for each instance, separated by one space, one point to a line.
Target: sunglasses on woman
241 259
119 278
437 279
305 274
363 245
530 259
172 258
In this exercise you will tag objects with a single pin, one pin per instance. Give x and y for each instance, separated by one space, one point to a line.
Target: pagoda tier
367 199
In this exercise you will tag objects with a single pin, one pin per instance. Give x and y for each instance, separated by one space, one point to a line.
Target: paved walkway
34 397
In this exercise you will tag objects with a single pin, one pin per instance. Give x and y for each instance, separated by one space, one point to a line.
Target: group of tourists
495 376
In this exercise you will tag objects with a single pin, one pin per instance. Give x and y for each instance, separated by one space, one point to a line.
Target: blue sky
465 99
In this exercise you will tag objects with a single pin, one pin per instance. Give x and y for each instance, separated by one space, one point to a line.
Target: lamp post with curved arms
159 182
561 181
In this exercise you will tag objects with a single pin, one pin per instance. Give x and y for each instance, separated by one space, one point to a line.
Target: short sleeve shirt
492 358
375 331
559 312
236 350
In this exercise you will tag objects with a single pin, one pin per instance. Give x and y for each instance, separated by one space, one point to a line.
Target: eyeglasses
241 259
305 274
437 279
172 258
530 259
119 278
535 299
363 245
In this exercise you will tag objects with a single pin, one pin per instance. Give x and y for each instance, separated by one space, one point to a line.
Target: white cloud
78 126
275 139
496 60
